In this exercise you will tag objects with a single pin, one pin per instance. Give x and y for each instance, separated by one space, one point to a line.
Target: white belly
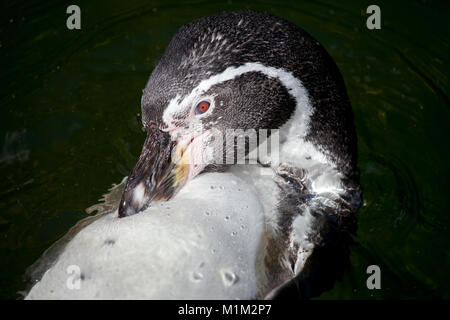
203 244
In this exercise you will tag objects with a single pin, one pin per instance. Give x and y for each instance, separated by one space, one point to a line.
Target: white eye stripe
177 106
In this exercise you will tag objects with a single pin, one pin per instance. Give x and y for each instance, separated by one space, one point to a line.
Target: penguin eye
202 107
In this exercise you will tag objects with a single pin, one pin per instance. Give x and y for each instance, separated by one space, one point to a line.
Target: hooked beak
163 168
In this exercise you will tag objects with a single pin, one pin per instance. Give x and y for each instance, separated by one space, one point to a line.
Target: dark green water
70 124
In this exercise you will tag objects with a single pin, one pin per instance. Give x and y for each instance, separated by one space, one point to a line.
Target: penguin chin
214 167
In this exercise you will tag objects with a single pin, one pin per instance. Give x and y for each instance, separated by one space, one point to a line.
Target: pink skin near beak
190 154
167 162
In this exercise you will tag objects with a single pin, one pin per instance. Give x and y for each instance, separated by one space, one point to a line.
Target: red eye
202 107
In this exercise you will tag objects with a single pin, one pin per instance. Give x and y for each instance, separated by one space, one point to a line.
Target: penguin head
218 75
197 97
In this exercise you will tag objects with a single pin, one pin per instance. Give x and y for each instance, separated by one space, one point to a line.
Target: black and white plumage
256 71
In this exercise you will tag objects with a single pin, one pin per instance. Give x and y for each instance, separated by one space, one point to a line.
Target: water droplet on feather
229 278
197 277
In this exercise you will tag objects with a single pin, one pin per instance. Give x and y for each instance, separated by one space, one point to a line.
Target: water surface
70 124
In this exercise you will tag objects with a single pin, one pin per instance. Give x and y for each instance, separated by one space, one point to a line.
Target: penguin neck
294 150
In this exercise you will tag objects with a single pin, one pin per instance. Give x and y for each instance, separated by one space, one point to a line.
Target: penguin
228 76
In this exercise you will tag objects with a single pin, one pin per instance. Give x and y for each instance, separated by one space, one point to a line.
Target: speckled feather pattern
209 45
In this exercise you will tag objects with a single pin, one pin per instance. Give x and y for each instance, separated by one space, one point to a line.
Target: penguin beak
163 168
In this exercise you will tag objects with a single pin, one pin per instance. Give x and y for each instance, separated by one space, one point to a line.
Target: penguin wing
315 231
